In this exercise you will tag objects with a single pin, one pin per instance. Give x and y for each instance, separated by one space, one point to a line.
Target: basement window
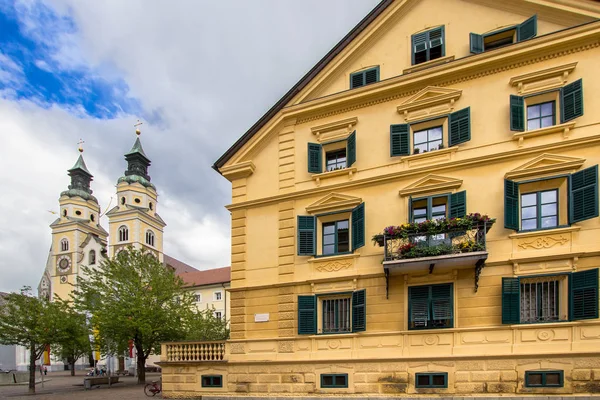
331 381
544 378
431 380
212 381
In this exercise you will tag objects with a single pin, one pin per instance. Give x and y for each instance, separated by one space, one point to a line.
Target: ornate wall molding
544 242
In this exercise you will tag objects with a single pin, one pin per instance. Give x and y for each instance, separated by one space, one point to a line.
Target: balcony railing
450 241
193 351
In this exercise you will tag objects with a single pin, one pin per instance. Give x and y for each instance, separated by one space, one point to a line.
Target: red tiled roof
179 266
207 277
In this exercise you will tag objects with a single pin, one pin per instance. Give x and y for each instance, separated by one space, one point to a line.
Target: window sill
540 232
336 257
428 64
445 152
330 174
564 128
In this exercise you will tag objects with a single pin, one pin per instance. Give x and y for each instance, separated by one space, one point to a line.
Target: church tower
134 220
77 236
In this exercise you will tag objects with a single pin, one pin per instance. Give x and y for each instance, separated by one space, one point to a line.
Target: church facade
419 214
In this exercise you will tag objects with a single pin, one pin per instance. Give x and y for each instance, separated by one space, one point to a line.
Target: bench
123 372
88 383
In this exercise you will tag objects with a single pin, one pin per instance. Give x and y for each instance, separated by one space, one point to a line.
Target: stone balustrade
193 352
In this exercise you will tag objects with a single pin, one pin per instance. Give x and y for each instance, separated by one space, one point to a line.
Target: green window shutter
357 79
517 113
358 226
583 194
441 302
372 75
511 301
351 149
314 158
460 126
419 43
307 225
436 37
584 294
399 140
527 29
307 315
359 311
571 101
458 204
476 43
511 205
418 303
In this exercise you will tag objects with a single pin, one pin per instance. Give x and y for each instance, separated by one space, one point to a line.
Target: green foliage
75 341
204 326
31 322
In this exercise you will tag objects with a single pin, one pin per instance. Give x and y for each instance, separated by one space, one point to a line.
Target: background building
431 110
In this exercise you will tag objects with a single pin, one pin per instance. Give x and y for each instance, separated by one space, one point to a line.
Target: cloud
198 73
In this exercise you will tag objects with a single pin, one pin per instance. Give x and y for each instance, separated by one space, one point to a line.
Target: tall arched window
92 257
64 245
150 238
123 234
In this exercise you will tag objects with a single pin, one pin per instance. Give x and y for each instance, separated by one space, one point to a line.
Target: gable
546 164
430 183
383 38
333 202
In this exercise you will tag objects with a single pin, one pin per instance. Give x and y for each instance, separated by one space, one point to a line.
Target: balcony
192 352
447 243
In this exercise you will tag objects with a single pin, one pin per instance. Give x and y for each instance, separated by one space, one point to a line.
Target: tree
204 325
30 322
134 297
75 341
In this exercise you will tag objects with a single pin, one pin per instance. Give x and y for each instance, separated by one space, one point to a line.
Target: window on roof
362 78
503 37
428 45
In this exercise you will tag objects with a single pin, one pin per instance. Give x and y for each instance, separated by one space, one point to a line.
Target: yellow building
427 113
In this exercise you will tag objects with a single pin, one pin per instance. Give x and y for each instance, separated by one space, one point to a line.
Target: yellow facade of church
428 110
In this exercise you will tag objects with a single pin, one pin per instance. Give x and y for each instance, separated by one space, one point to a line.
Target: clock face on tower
64 263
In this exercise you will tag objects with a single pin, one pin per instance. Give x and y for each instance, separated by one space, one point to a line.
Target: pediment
431 183
546 164
333 202
429 102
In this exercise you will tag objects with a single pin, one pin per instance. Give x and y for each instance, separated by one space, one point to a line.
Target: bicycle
152 389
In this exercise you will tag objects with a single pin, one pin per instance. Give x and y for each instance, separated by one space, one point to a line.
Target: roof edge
301 84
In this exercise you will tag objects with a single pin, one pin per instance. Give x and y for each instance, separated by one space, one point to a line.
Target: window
550 298
427 140
553 202
336 237
539 210
217 296
335 160
541 108
212 381
430 307
218 314
431 380
122 200
330 381
336 315
541 115
150 238
437 207
362 78
123 234
544 378
428 45
64 213
92 257
429 135
92 218
151 206
198 298
332 313
338 155
64 245
503 37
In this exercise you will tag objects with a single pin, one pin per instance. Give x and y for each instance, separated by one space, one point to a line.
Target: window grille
336 315
539 300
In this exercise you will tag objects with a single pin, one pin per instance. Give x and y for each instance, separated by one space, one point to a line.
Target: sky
197 73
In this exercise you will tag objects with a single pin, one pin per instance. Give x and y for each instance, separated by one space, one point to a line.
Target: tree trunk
141 367
32 368
72 366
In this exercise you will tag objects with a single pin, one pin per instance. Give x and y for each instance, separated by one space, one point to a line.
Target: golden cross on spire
138 131
80 143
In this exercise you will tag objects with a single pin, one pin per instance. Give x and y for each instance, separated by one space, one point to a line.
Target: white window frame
220 292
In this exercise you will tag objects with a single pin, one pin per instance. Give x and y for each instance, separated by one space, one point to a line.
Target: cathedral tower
77 237
134 220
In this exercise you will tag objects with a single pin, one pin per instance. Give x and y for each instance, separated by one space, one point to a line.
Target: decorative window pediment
430 102
333 202
539 81
546 164
431 183
337 130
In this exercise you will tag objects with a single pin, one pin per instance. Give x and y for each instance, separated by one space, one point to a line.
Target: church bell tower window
123 234
64 245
